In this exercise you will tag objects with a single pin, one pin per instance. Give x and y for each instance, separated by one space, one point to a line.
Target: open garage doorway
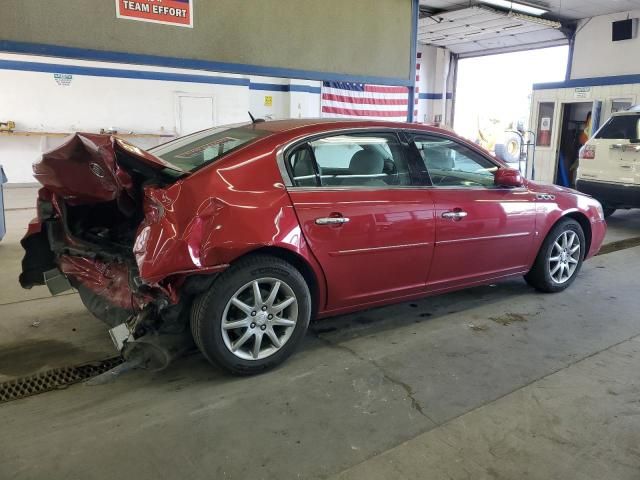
574 133
493 97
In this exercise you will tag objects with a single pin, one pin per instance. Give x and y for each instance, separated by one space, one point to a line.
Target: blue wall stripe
147 75
276 87
119 73
160 61
590 82
434 96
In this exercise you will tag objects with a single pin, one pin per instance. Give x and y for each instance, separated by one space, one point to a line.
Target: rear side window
351 160
201 148
623 127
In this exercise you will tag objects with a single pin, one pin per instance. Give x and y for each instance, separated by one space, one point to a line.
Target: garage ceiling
470 29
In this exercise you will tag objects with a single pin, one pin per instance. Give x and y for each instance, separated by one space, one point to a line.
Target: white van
610 163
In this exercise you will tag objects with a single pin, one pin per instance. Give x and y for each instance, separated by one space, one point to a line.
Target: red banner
169 12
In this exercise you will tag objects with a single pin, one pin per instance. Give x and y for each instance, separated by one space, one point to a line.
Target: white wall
436 80
41 106
595 55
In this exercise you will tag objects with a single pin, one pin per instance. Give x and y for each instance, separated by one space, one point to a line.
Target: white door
195 113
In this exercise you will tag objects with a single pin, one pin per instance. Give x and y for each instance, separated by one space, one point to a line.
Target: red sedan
240 235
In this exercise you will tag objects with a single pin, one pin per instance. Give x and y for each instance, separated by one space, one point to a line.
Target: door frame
177 108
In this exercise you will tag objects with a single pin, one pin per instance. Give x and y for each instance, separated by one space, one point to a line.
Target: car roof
280 126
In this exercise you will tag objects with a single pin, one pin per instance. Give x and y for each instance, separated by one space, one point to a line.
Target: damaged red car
237 237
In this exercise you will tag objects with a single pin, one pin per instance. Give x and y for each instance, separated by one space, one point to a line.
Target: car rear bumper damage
611 194
99 230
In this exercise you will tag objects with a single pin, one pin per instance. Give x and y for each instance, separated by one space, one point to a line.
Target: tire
542 276
231 301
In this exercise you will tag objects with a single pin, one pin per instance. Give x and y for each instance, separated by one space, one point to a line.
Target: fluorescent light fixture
517 6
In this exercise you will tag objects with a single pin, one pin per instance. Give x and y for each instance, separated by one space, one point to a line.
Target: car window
200 148
622 127
353 160
450 164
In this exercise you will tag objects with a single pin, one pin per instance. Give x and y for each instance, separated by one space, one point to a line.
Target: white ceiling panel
562 9
476 30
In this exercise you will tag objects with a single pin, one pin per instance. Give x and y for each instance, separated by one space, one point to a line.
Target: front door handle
455 215
332 220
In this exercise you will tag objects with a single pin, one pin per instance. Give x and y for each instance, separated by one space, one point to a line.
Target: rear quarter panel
206 221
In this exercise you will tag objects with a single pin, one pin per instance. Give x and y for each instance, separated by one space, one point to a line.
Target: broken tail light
588 152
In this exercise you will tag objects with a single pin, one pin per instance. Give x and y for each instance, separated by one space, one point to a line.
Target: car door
363 220
482 231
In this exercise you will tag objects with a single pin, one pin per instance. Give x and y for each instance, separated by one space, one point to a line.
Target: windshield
200 148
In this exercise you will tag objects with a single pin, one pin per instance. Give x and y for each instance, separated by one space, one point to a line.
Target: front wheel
253 317
559 259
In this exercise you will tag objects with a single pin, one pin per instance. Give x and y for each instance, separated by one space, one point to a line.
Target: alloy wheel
565 256
259 318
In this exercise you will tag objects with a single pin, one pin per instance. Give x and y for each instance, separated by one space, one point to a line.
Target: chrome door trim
357 251
491 237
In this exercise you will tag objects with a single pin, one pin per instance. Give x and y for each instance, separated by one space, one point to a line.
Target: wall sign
168 12
582 92
63 79
268 101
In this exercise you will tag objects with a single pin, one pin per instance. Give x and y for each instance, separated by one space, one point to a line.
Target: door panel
482 231
494 238
383 250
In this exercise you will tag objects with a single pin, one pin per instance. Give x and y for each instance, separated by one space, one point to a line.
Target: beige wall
596 55
356 37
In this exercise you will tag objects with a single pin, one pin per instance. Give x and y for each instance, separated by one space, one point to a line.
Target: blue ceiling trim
172 62
590 82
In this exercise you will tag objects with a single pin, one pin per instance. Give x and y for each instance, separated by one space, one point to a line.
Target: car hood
550 188
90 168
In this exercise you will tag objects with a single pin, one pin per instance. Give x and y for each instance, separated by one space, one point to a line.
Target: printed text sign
169 12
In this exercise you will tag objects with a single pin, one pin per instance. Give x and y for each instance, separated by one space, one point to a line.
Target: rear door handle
332 220
455 215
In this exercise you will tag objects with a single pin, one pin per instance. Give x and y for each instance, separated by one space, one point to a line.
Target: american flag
359 100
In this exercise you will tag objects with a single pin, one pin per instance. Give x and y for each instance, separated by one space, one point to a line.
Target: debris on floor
509 318
478 328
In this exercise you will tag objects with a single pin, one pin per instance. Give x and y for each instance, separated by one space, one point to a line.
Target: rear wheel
253 317
559 259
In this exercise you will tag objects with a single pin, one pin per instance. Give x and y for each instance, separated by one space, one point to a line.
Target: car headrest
366 162
439 159
304 165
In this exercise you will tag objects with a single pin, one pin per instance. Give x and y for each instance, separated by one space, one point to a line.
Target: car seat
365 168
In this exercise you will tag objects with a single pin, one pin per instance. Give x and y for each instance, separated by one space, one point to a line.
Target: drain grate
54 379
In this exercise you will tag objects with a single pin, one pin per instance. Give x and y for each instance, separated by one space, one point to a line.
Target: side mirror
508 177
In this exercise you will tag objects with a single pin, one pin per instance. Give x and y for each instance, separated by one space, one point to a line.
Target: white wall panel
595 55
40 105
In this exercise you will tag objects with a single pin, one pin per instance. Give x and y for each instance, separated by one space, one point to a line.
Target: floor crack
409 392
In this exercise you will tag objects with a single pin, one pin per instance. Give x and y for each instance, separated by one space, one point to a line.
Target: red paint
397 245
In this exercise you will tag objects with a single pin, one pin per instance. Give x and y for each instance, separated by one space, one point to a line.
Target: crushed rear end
99 197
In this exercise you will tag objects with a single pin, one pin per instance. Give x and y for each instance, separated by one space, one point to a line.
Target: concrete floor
494 382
